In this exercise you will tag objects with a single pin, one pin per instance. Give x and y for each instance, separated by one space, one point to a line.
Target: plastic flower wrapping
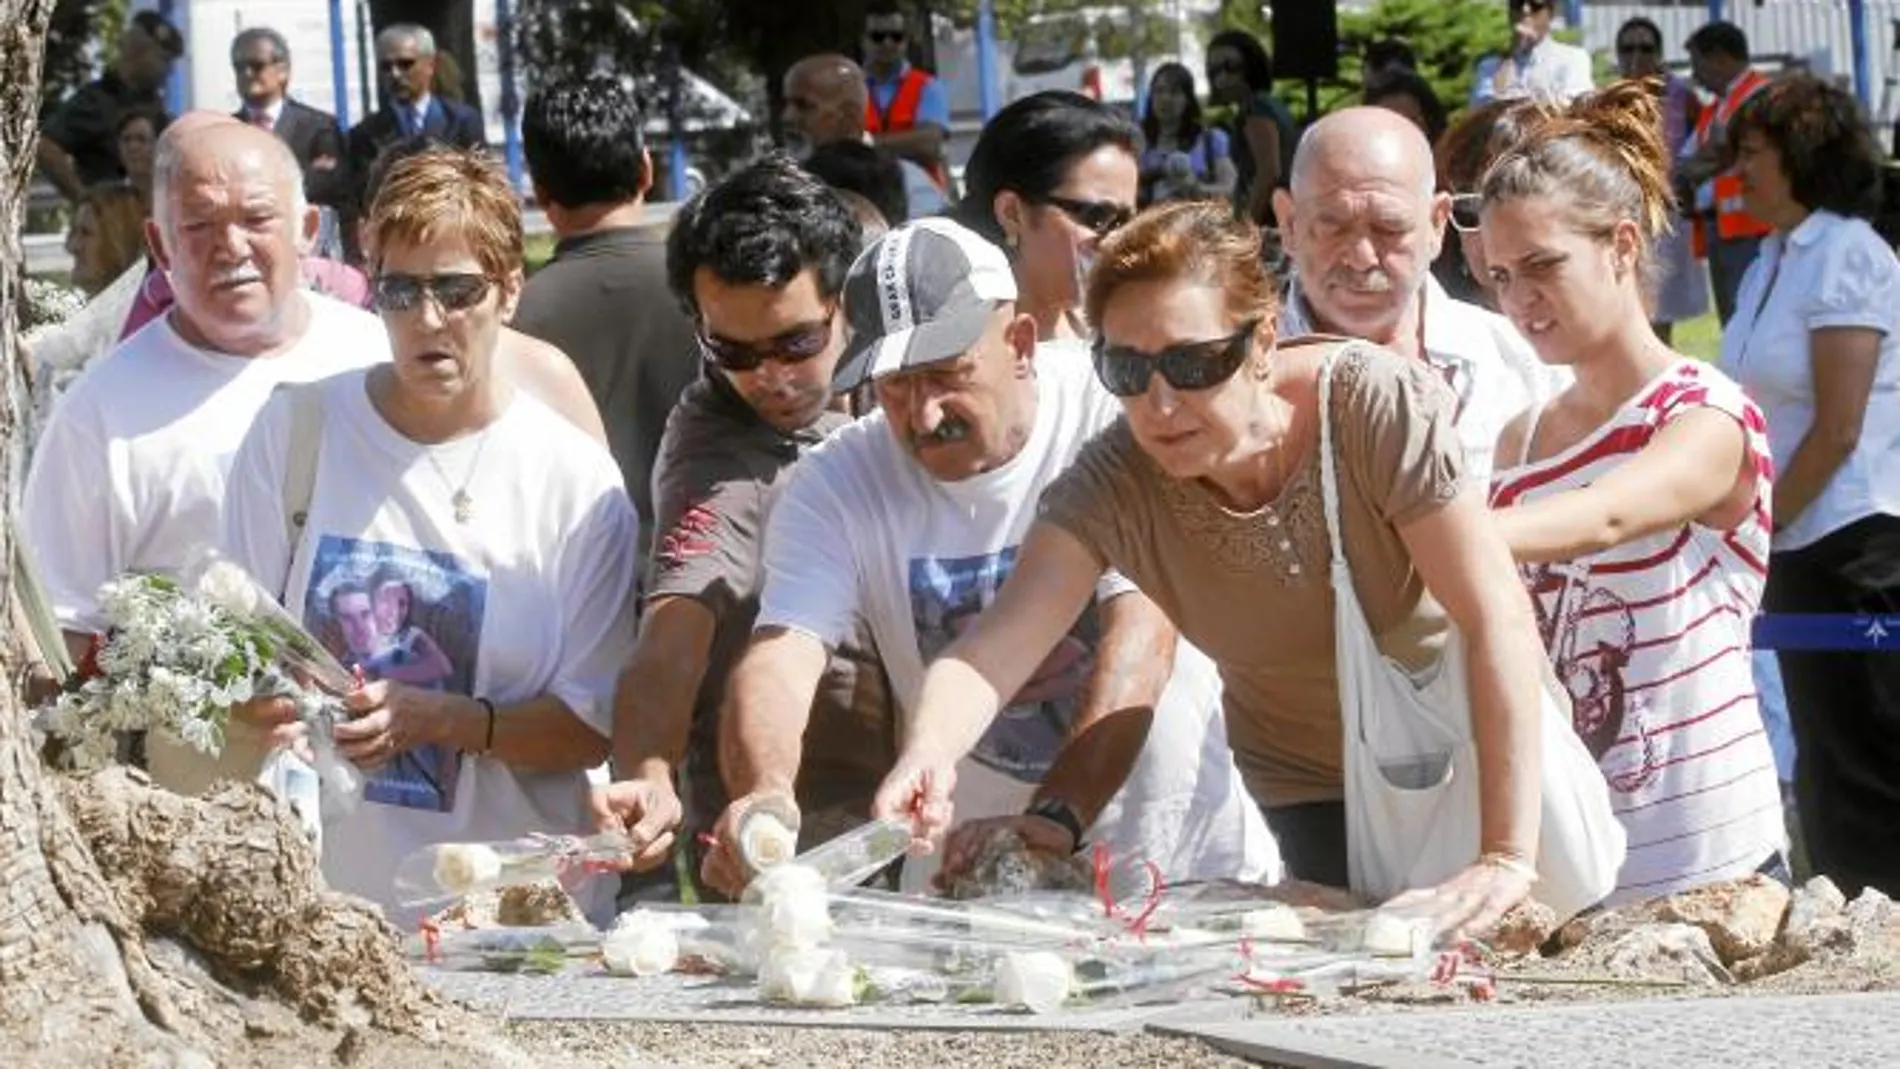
179 651
445 871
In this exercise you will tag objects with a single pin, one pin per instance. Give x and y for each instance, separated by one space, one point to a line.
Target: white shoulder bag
1411 763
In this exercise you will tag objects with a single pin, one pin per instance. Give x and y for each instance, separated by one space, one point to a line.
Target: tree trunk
139 927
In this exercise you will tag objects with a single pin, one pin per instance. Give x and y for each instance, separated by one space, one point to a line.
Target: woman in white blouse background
1816 342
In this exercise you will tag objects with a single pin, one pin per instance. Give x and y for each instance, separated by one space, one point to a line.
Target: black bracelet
1061 812
488 746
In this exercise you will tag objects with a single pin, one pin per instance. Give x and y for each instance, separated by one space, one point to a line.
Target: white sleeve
1859 284
254 536
811 571
595 578
1582 79
76 524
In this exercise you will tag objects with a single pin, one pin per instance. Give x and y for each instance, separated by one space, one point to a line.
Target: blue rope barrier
1837 632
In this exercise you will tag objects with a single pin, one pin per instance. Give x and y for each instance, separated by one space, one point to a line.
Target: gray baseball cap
920 294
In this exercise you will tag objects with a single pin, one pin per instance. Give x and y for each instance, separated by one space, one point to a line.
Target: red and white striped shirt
1651 639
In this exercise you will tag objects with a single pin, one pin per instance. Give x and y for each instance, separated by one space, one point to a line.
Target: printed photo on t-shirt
946 596
406 615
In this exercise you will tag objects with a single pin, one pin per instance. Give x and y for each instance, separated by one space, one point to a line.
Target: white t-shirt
129 474
1552 72
1831 271
531 596
862 530
1492 371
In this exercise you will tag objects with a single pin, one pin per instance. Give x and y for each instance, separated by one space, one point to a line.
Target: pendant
463 505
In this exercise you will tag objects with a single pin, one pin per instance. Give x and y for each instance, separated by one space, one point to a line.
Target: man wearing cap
910 519
79 142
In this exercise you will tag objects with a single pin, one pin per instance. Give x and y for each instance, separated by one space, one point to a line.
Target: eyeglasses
1195 365
1099 217
1638 48
886 37
400 64
252 66
454 292
1226 66
1530 7
794 346
1465 210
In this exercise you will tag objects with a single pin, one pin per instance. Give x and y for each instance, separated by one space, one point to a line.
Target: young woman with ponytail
1636 501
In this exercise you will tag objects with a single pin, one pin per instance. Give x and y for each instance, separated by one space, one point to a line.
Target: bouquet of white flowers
179 652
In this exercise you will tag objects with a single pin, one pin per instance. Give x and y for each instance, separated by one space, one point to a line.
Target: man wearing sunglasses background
1536 64
1362 223
908 112
909 520
406 60
260 63
758 261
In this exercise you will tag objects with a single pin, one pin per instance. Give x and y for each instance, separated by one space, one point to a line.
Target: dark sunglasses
1530 7
888 37
1100 217
1195 365
1640 48
452 292
1229 66
252 66
1465 210
794 346
398 64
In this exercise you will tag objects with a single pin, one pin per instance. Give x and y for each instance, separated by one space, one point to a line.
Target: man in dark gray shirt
603 299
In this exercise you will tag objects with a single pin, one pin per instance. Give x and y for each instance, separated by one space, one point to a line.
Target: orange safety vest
903 116
1732 221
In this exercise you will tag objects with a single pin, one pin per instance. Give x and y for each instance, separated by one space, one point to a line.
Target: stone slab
1809 1032
595 996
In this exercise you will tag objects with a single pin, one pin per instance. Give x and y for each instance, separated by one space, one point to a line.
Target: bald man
129 473
824 104
1362 223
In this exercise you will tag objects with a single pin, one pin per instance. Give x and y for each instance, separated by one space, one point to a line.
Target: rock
1873 926
1523 929
1742 917
1595 926
1815 920
1664 952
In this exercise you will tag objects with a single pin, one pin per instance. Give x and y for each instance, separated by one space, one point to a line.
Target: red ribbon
431 934
1157 886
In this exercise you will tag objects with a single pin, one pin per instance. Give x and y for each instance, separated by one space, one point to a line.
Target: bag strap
300 475
1329 475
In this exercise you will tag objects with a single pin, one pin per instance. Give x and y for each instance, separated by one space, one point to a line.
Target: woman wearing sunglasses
506 524
1636 501
1208 495
1682 290
1050 177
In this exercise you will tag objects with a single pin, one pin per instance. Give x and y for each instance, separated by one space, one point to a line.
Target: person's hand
1470 904
724 867
918 790
272 716
964 845
646 810
388 719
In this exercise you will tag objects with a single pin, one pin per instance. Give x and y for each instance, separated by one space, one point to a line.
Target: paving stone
1811 1032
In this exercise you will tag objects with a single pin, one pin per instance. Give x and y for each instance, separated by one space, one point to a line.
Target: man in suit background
260 60
405 58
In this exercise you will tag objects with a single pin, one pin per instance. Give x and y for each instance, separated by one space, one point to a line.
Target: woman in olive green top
1207 495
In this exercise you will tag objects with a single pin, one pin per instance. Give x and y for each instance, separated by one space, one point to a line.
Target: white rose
1387 935
1038 979
808 977
230 588
793 908
1273 924
766 842
641 944
462 868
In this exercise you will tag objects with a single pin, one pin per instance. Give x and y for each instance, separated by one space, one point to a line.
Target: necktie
262 120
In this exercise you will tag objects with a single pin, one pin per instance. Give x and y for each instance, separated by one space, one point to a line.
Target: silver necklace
460 501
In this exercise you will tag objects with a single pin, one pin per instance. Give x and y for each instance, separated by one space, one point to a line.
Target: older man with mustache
130 471
1362 223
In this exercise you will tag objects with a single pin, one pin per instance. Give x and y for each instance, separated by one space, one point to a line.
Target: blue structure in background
339 65
176 92
986 58
510 92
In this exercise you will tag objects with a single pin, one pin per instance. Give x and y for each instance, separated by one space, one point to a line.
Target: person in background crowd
825 105
908 110
1817 344
107 236
870 219
1207 495
602 298
1463 155
1536 65
405 60
1725 233
858 168
911 519
1240 76
1682 291
137 133
1388 54
1636 502
760 259
1403 90
1050 176
130 472
1181 159
260 61
78 142
1362 223
506 524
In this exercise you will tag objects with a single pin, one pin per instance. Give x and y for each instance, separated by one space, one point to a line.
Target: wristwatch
1062 813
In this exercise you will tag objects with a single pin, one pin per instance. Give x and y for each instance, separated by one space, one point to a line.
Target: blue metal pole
177 90
1573 14
339 65
986 58
510 93
1715 10
1863 58
677 162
